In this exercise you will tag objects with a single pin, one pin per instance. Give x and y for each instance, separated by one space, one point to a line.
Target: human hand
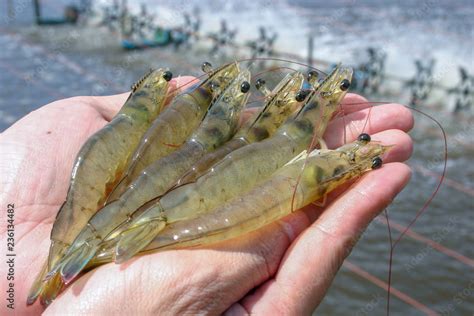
38 153
286 266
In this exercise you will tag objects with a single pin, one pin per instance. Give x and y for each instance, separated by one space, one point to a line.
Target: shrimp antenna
281 60
393 244
390 260
252 60
438 185
343 116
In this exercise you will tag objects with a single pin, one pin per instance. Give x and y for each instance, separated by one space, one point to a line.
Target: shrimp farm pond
415 54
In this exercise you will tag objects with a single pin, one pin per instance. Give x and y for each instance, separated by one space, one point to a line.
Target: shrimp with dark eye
304 180
241 169
218 126
313 176
99 166
177 122
279 105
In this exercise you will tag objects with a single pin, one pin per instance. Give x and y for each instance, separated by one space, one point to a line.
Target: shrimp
219 124
171 129
239 170
305 179
98 167
281 102
313 176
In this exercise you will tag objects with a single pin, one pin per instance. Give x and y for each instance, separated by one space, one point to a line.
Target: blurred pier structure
142 29
463 93
422 82
370 74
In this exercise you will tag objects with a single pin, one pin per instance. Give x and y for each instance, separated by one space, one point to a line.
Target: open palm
286 266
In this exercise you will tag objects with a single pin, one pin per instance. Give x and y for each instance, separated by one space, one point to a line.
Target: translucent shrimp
177 122
98 167
219 124
239 170
280 103
313 177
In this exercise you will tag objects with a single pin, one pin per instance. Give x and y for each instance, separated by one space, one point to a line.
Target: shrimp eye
167 75
376 163
345 84
245 87
206 67
301 95
312 75
364 137
214 86
259 83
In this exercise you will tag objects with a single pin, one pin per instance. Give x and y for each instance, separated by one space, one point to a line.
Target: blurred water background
433 265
